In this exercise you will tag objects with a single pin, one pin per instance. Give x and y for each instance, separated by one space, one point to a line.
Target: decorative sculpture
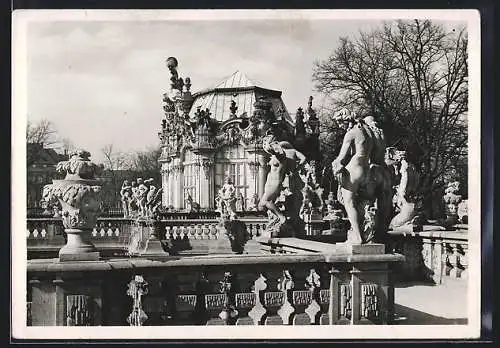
126 197
226 199
335 216
452 199
190 204
137 288
462 212
79 197
405 183
282 180
312 191
253 202
240 201
363 178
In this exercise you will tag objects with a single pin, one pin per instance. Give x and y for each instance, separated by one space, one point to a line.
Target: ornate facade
217 133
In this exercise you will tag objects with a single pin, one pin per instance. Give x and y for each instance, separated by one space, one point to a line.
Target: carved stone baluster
455 261
244 302
29 317
258 311
137 288
185 306
286 284
324 302
313 283
438 262
229 313
78 310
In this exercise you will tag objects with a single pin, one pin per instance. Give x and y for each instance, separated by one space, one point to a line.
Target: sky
101 82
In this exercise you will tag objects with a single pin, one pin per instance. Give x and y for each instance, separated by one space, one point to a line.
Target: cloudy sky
101 82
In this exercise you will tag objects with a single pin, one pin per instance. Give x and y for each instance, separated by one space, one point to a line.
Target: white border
19 23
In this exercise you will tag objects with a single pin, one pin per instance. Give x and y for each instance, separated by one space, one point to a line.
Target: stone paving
427 304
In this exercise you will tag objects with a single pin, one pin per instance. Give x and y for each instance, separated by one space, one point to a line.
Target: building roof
39 155
243 91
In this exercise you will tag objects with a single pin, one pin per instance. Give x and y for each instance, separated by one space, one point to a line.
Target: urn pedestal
79 247
77 197
153 245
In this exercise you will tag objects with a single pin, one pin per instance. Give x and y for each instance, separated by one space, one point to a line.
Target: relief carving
369 301
78 311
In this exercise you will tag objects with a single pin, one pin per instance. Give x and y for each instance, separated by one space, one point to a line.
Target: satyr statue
405 184
153 200
283 176
226 199
126 197
141 193
363 178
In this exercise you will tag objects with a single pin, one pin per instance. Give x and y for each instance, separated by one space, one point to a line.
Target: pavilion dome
243 91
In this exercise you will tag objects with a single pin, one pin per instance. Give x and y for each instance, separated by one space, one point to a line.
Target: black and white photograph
179 171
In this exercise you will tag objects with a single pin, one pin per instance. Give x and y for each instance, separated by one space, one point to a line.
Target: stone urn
79 197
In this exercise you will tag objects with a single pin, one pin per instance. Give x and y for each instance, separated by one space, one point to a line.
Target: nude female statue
284 160
358 169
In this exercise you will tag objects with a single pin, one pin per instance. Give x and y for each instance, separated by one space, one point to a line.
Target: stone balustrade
314 288
185 230
432 254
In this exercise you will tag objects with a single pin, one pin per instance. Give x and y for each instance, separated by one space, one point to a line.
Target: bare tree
42 132
114 161
145 163
413 77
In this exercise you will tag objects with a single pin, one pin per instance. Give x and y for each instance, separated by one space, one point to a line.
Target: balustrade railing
312 289
432 255
47 233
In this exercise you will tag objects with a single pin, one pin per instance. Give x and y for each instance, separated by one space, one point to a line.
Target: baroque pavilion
217 133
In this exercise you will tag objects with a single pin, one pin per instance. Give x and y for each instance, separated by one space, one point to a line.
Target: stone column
206 181
79 197
170 185
179 187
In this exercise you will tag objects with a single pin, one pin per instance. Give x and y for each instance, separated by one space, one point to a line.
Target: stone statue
150 200
312 191
141 197
253 202
283 177
226 199
452 199
190 204
240 201
126 197
406 181
462 212
335 215
133 204
363 178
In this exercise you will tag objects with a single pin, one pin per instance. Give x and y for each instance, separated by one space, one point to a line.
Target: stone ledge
53 265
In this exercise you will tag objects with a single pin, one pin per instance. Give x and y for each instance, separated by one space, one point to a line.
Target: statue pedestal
153 248
78 247
153 244
252 247
222 245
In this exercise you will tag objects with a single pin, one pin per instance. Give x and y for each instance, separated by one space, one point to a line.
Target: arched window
232 161
191 176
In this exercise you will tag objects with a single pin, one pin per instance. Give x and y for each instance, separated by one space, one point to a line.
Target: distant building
41 169
218 133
